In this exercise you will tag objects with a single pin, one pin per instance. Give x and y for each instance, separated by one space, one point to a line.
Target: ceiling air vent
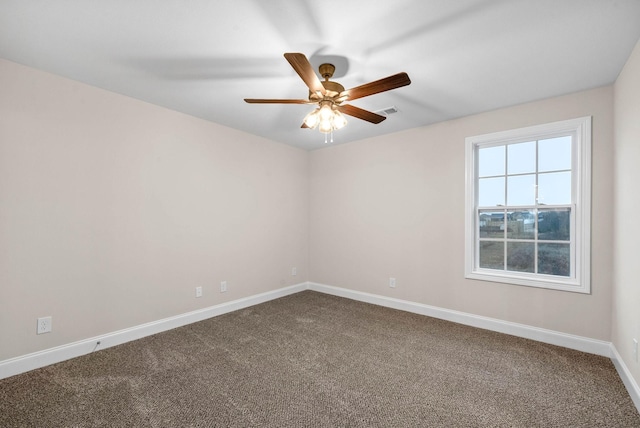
388 111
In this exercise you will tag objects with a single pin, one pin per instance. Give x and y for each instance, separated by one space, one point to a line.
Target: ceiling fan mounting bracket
327 70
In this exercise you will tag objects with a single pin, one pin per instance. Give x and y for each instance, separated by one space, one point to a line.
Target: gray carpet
314 360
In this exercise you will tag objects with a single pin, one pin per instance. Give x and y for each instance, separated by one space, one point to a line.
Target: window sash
536 240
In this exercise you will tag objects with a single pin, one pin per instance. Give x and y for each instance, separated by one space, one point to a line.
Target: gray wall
113 210
393 206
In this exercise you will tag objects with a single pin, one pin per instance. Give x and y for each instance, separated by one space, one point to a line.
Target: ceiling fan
331 96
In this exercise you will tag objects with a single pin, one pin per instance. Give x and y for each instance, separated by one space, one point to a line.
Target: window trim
580 128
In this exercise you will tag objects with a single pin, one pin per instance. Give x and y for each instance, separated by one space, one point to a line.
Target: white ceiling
202 57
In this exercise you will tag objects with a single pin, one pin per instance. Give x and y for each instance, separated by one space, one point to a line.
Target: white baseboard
625 375
579 343
46 357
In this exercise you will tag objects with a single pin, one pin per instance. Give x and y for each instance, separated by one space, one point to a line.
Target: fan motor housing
333 88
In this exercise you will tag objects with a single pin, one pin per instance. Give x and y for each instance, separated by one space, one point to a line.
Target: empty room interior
164 165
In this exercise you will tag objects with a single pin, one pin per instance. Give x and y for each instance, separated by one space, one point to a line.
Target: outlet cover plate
44 325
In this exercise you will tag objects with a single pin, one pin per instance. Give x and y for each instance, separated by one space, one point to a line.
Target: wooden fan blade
303 67
382 85
304 125
276 101
367 115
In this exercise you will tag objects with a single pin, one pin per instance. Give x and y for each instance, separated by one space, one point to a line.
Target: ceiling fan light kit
331 96
326 118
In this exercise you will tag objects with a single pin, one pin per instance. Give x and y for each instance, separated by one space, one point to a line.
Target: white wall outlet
44 325
392 282
198 291
635 350
294 271
223 286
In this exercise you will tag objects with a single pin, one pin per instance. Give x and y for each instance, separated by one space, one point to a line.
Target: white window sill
540 281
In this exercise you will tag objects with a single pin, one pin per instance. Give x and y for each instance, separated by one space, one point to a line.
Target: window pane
554 188
520 256
554 259
490 192
554 154
554 225
521 225
521 158
491 255
521 190
491 161
491 224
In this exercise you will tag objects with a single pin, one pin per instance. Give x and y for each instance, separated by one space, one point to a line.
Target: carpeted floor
314 360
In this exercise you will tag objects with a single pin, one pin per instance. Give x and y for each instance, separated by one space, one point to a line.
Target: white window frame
579 281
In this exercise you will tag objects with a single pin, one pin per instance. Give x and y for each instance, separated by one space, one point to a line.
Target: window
528 198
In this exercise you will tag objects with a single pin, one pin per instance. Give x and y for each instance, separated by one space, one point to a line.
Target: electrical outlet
294 271
392 282
223 286
44 325
198 291
635 350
